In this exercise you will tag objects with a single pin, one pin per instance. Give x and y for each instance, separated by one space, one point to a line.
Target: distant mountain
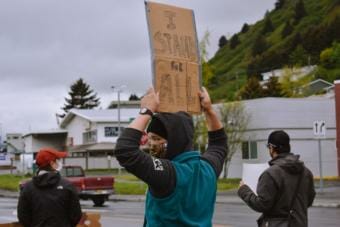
294 33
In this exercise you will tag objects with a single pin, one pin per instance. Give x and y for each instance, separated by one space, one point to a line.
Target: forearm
140 122
142 164
252 200
213 123
266 194
217 150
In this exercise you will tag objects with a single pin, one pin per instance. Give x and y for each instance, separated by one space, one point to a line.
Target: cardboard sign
175 57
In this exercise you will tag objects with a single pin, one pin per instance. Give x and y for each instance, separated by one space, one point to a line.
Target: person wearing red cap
49 199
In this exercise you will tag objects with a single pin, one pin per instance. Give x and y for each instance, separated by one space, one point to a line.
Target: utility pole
119 90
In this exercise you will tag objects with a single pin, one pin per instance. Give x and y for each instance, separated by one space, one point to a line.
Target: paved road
130 214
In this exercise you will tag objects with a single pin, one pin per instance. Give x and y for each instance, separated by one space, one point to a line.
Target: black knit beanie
156 126
280 140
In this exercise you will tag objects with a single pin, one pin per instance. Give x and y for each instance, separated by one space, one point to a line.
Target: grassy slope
230 65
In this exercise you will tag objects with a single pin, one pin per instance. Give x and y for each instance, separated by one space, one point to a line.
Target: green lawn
125 184
11 182
130 188
227 184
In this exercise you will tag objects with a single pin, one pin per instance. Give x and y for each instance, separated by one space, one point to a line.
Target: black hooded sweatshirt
158 173
276 187
48 200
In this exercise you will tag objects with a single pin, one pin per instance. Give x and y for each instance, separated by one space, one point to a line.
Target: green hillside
293 34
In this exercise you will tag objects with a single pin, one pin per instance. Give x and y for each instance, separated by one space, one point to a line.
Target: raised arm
159 174
217 146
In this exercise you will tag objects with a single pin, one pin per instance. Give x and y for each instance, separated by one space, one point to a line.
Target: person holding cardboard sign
182 182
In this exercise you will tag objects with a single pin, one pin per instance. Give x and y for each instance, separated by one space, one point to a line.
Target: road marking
8 218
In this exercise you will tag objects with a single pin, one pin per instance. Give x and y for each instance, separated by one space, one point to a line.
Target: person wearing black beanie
285 190
182 183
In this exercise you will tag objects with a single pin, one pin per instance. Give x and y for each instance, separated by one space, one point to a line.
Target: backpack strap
295 194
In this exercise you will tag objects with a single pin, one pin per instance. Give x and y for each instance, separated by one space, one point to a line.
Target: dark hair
279 140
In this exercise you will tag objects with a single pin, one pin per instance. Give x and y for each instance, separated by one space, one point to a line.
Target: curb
219 199
328 205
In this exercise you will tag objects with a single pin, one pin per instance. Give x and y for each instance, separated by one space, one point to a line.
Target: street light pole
118 106
119 90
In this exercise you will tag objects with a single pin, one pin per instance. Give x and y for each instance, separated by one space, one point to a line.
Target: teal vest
192 202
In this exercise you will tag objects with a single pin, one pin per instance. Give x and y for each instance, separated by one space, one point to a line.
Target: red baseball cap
46 155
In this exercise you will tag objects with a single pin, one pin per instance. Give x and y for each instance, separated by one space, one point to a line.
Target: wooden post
337 116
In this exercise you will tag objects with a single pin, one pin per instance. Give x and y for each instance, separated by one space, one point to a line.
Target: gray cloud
45 45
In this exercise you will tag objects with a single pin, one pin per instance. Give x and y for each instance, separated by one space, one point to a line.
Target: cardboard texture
175 57
88 220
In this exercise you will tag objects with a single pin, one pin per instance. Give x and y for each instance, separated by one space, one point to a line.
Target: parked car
96 188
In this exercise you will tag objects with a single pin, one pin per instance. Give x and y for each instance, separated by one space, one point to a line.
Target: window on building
112 131
78 154
90 137
249 150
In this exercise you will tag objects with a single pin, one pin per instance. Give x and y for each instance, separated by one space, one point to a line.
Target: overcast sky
46 45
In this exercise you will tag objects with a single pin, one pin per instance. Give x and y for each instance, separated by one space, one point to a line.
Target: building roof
296 72
125 104
274 113
103 146
47 132
100 115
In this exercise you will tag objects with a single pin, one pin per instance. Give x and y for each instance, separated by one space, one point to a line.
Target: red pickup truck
98 189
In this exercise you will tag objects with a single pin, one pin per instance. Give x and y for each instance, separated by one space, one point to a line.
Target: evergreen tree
316 39
273 88
294 42
133 97
299 57
81 97
333 29
268 25
300 11
279 4
259 46
222 41
252 89
245 28
287 30
234 41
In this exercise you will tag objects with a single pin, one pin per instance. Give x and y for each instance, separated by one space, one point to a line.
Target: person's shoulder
273 170
66 183
308 171
27 187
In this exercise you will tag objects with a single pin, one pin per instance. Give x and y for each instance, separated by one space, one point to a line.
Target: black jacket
180 132
49 201
276 187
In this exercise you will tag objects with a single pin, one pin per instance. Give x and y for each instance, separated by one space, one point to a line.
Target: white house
297 73
92 135
34 141
296 116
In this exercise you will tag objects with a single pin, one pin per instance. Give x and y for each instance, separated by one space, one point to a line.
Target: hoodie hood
289 162
180 132
46 180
